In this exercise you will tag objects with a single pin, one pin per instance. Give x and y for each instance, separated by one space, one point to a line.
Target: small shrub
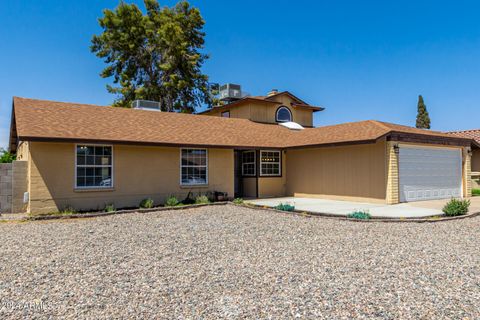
171 202
238 201
476 192
68 210
202 200
361 215
146 203
109 207
456 207
285 207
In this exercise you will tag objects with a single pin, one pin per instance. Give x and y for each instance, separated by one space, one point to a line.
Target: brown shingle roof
49 120
471 134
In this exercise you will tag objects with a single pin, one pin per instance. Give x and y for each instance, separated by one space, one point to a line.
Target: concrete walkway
343 208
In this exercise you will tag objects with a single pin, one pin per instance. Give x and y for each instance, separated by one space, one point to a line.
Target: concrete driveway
342 208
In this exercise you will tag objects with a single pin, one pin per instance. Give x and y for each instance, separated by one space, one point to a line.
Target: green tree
423 119
154 56
6 157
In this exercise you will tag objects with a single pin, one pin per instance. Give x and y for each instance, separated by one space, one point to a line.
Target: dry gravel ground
232 262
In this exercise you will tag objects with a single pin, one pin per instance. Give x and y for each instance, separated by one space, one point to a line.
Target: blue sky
359 59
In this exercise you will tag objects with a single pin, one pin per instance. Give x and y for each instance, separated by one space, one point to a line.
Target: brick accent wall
13 185
467 174
393 196
6 173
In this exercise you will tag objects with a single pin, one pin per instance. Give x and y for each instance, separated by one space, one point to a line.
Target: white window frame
254 164
206 167
278 110
93 166
279 164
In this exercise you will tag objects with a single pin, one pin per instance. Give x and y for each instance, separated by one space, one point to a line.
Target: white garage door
429 173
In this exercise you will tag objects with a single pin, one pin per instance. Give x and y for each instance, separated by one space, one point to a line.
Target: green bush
109 207
361 215
146 203
201 200
238 201
476 192
456 207
285 207
171 202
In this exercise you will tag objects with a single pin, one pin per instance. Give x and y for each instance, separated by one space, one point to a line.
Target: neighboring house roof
267 99
471 134
40 120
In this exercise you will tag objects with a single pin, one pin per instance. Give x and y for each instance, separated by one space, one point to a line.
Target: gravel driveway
232 262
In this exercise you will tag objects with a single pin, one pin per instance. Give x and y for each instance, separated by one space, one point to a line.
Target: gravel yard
232 262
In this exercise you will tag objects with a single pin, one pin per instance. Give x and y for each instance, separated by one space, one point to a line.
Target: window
226 114
270 164
248 163
194 165
93 166
283 114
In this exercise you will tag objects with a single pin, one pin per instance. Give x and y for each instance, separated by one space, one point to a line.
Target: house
86 156
475 135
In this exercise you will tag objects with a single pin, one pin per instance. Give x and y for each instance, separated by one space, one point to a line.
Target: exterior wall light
396 149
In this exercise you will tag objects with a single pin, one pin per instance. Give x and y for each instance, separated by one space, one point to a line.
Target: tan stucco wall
352 171
139 172
274 186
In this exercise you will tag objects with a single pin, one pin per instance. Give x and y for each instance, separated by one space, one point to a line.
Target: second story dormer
275 107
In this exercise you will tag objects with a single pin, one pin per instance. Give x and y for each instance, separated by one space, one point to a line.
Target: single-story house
475 135
85 156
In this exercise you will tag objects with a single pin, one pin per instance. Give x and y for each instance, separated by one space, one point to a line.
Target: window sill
191 186
93 189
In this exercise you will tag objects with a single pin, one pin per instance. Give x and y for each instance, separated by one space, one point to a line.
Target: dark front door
238 174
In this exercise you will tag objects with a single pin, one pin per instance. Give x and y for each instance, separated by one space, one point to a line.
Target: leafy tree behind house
154 56
6 157
423 118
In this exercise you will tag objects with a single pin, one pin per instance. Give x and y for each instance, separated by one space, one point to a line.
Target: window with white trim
93 166
226 114
283 114
248 163
270 163
194 167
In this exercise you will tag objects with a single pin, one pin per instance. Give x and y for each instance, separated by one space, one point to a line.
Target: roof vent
230 92
291 125
146 105
272 92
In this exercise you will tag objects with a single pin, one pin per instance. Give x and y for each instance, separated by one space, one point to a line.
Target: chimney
272 92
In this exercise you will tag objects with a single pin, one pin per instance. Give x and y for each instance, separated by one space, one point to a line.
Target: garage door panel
428 173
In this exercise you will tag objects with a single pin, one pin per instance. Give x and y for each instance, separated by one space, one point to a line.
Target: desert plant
146 203
201 200
109 207
238 201
361 215
68 210
171 201
285 207
476 192
456 207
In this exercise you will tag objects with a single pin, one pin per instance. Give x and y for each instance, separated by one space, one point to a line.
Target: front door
238 181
